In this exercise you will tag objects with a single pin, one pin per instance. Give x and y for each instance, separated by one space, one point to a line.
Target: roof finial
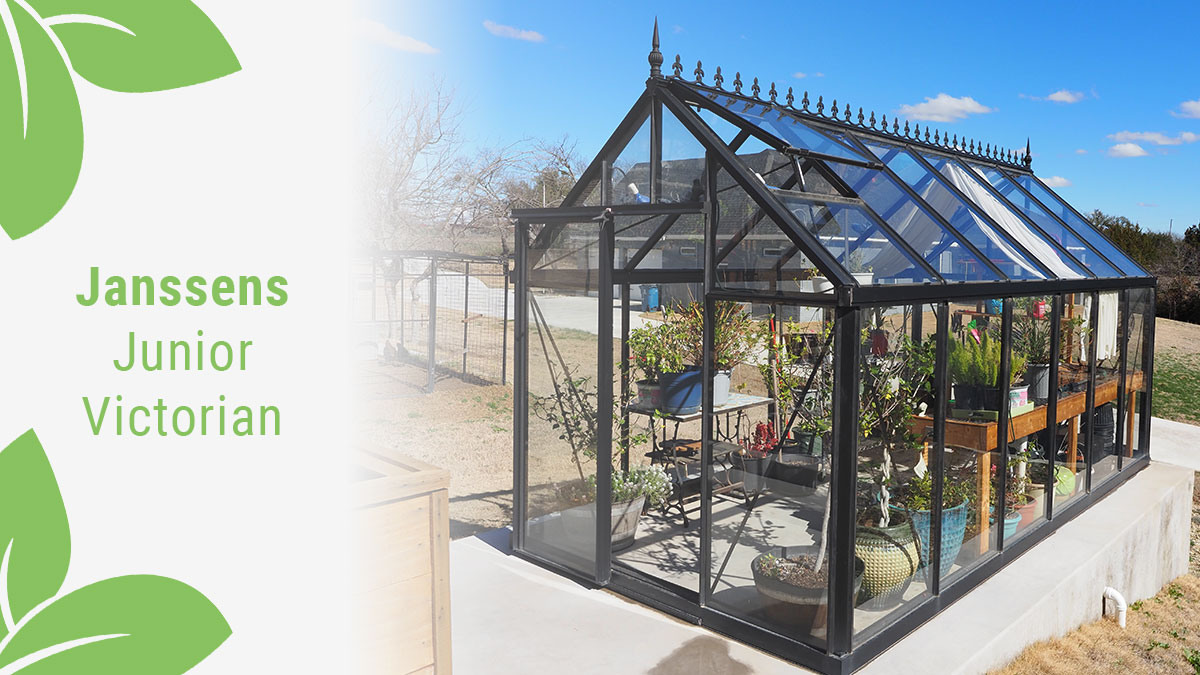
655 58
1027 160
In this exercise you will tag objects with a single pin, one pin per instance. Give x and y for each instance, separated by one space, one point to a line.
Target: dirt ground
1162 634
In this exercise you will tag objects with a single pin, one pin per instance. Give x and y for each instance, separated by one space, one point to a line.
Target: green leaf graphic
139 45
133 625
33 529
41 130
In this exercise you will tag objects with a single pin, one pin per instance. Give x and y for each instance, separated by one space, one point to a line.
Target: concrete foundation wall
1135 540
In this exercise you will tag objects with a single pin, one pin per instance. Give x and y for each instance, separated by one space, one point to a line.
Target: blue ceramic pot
954 528
682 393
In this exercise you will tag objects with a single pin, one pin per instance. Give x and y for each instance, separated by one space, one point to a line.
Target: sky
1108 94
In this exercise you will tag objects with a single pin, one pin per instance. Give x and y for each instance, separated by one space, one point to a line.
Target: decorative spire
872 119
755 90
906 128
699 73
791 98
834 110
718 79
772 92
677 67
1027 160
896 126
847 113
936 139
804 101
655 58
820 105
737 82
927 133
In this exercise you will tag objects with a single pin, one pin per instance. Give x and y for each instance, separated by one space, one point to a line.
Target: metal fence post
466 310
432 339
504 330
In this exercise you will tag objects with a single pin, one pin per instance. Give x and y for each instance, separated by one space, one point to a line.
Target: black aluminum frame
848 302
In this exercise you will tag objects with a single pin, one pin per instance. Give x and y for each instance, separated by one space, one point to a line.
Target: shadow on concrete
499 539
702 655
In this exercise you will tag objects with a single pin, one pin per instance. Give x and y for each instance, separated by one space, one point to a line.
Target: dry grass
1162 634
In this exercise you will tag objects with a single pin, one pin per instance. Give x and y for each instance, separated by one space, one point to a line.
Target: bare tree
425 188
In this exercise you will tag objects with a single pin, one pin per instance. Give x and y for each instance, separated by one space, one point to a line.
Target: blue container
649 298
682 393
954 528
995 306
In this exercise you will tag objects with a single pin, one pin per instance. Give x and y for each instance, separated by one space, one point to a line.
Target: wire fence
404 301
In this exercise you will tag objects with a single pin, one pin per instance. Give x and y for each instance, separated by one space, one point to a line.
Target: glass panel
893 492
1102 420
631 169
787 128
659 242
682 163
663 443
1082 228
753 252
1141 316
971 463
1048 223
1029 443
561 450
1074 346
771 497
940 248
966 217
855 239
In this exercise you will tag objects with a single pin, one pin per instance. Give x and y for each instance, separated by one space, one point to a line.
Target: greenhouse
806 375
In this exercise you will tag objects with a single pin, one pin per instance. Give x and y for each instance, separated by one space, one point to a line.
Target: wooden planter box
402 590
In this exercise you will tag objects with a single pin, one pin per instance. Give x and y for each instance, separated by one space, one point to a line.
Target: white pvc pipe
1111 593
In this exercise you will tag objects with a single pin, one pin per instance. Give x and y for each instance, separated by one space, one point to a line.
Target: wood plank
394 629
439 516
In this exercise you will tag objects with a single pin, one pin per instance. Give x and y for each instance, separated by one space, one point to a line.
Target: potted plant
572 412
1031 335
794 584
893 388
916 499
800 376
756 457
974 364
735 336
650 353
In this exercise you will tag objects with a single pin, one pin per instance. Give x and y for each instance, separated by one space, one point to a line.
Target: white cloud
677 29
500 30
1057 181
944 108
1154 137
801 76
1065 96
1127 150
1081 151
382 35
1147 205
1188 109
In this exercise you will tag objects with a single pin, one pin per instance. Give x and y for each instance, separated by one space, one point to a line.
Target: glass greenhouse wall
807 378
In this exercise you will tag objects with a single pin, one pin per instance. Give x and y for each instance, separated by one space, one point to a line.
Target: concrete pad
510 616
1175 443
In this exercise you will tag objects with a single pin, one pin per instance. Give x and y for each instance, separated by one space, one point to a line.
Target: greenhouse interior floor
512 616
